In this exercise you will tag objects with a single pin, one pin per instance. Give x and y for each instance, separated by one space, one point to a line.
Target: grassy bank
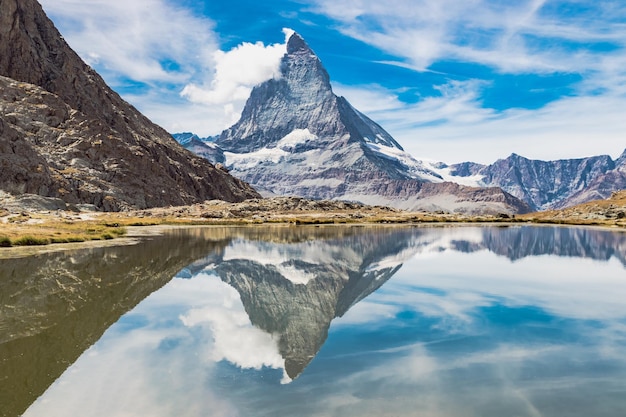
54 231
43 228
111 226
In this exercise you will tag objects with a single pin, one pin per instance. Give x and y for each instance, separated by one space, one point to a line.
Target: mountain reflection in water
250 308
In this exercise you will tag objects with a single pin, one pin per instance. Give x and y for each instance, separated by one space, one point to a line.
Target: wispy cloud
151 51
526 36
235 73
145 41
529 37
455 126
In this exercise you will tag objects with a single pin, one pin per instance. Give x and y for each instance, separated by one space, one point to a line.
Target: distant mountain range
550 184
65 134
296 137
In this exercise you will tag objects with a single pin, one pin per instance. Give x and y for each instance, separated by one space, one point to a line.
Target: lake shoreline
137 233
27 228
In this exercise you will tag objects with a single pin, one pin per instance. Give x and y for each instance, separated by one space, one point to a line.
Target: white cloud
510 37
173 51
177 114
164 361
126 42
235 339
235 73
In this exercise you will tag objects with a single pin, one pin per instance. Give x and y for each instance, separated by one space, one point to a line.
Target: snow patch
298 136
393 261
274 155
431 171
242 161
416 168
446 175
281 257
295 274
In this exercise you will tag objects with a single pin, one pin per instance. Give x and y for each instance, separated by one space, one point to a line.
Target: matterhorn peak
296 137
296 44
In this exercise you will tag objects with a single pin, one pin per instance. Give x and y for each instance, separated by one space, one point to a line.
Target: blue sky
450 80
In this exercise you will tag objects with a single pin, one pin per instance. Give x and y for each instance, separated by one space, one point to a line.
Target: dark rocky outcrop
64 133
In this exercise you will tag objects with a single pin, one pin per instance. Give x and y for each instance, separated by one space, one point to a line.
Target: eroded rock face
601 187
64 133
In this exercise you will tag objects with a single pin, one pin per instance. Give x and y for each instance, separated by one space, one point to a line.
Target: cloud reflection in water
470 325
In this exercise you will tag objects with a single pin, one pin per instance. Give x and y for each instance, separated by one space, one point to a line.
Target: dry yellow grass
609 212
42 231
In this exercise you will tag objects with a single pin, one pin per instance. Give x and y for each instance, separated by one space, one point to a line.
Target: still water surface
321 321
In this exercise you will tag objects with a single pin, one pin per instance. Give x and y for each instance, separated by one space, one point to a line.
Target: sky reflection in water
456 322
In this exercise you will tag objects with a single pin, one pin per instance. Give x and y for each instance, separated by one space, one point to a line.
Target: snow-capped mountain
296 137
298 121
204 147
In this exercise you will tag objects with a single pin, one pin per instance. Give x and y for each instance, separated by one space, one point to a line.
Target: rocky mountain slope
610 212
550 184
601 187
64 133
296 137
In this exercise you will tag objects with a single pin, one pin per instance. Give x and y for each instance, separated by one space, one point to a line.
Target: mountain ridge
542 184
65 134
296 137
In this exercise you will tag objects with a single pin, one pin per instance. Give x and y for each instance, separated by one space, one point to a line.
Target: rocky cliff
296 137
601 187
64 133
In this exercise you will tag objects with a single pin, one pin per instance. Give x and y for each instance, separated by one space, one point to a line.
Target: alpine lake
455 321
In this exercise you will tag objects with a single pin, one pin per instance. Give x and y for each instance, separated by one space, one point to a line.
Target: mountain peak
622 159
296 137
296 44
